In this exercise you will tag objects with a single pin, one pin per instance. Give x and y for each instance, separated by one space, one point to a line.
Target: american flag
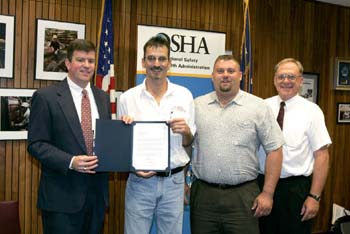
246 52
105 69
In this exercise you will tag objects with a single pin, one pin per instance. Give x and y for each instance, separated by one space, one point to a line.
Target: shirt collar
238 99
76 90
170 89
289 102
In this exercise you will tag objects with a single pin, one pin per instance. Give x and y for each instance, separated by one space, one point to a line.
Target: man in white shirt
153 195
305 155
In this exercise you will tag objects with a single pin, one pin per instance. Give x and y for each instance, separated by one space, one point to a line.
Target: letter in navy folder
143 145
150 146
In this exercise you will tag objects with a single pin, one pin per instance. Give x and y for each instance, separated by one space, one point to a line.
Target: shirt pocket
293 139
244 133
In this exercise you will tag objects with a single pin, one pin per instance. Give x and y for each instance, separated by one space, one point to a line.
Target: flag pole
245 5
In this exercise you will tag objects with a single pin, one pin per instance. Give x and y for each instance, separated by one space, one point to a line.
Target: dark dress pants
89 220
289 198
223 209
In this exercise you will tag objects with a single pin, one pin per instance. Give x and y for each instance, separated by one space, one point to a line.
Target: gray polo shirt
229 137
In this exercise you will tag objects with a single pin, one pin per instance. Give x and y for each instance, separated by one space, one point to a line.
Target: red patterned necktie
281 115
86 125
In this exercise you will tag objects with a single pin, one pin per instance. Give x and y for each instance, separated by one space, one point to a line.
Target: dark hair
226 57
161 39
81 45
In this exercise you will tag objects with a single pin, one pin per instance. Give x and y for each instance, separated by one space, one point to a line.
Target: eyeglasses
152 59
290 77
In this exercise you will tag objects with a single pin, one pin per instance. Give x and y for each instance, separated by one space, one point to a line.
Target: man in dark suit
72 196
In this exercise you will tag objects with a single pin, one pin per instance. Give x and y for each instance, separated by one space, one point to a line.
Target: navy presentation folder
114 145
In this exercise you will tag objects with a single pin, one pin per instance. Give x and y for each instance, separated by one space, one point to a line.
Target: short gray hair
292 60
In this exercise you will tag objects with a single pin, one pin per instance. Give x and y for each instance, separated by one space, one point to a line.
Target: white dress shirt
304 131
77 95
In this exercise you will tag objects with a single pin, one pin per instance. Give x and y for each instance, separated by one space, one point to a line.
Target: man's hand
263 204
309 209
85 163
127 119
179 125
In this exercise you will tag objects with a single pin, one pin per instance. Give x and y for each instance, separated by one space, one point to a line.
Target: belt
225 186
291 179
171 172
295 178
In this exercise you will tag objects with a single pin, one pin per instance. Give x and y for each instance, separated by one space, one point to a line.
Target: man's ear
67 63
143 62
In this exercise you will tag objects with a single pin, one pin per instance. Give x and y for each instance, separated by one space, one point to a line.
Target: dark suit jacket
54 137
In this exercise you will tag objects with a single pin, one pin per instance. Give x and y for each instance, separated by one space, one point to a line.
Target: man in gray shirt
231 125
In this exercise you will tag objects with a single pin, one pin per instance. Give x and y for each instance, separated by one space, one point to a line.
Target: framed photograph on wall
343 113
309 89
342 74
7 41
14 113
52 38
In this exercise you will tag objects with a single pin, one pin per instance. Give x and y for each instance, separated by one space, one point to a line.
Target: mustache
287 85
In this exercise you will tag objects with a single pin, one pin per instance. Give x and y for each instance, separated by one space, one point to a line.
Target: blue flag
246 52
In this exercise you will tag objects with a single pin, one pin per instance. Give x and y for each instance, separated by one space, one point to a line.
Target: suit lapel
65 100
99 103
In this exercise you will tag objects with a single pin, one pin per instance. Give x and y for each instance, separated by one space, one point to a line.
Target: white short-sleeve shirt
304 132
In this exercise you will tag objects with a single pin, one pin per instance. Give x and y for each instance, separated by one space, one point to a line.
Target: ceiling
337 2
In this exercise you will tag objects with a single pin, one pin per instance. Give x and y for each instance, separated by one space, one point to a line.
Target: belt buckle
167 173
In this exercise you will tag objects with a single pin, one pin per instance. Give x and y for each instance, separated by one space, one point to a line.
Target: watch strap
316 197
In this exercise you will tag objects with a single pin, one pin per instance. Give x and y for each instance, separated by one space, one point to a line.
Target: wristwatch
317 198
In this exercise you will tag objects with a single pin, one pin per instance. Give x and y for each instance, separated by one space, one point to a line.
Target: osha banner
192 55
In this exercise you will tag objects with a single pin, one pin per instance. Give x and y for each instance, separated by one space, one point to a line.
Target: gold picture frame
342 74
